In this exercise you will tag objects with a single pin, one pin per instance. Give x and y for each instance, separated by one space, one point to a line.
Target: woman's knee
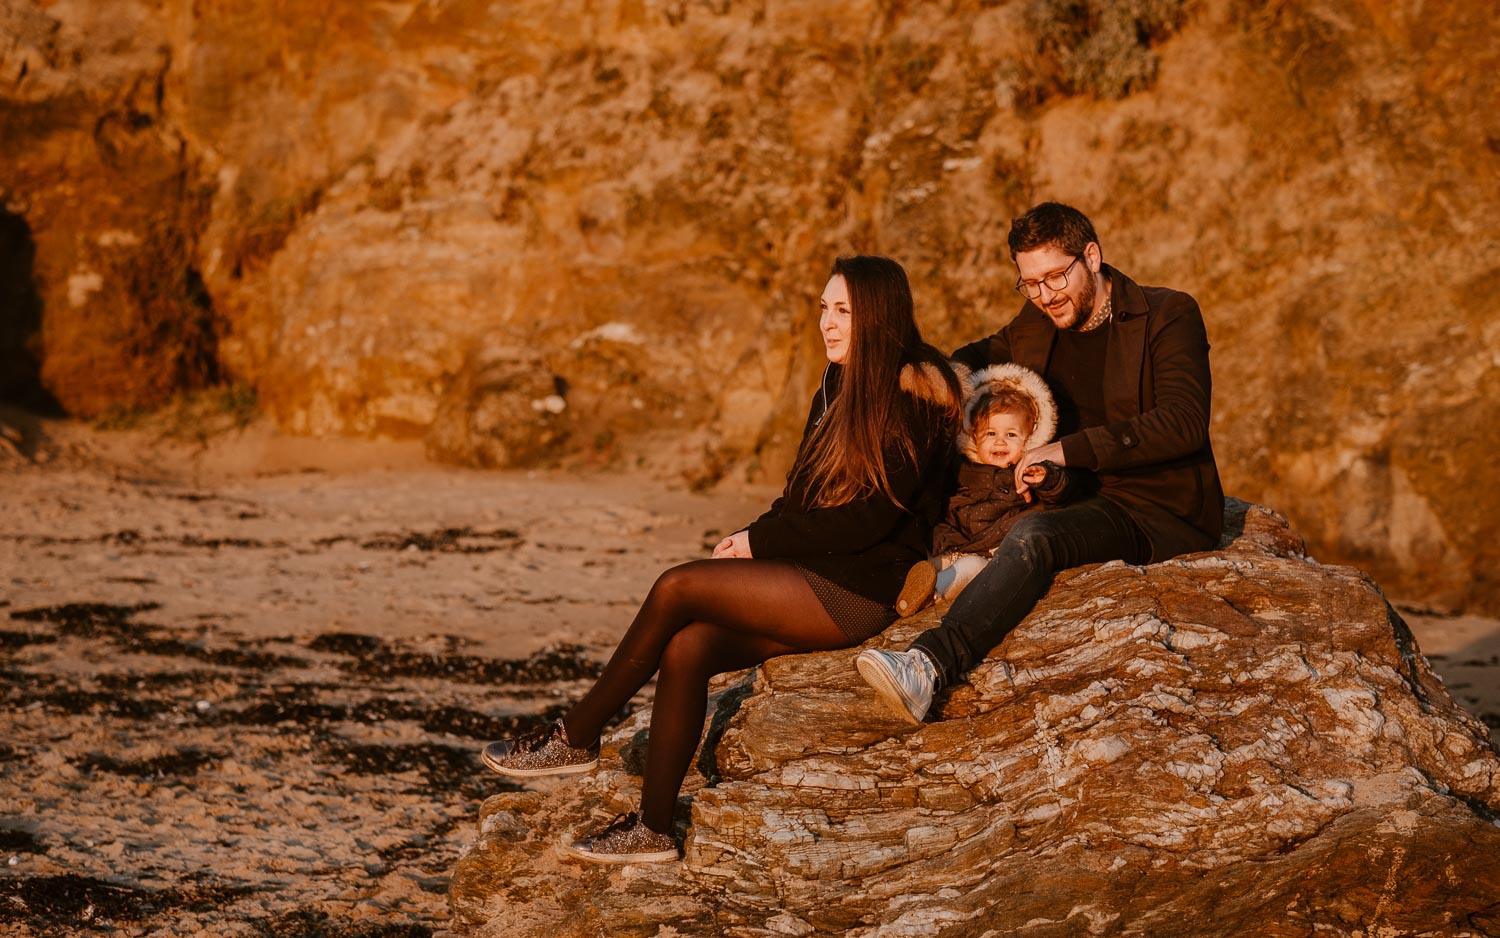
688 652
678 584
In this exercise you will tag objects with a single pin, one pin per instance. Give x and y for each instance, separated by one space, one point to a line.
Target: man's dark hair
1051 223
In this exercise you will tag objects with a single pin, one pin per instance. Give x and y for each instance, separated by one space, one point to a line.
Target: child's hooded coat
985 506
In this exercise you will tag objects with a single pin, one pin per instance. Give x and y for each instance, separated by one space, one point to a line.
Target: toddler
1009 411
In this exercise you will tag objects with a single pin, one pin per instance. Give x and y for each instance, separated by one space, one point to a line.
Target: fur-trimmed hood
925 380
1016 377
922 380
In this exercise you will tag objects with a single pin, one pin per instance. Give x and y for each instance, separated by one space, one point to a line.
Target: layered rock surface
1236 742
358 209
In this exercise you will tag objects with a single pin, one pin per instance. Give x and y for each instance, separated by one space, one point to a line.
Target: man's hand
736 545
1028 473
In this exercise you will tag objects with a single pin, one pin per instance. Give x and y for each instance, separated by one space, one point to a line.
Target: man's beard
1083 308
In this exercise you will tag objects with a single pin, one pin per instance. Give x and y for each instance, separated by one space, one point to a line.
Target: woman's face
834 321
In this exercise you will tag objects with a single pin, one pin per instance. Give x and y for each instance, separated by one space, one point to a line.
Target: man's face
1073 304
999 442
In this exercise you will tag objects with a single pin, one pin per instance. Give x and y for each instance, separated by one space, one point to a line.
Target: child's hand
1052 453
1034 474
1027 477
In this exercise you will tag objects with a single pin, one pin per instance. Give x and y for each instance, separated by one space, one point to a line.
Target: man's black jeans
1042 543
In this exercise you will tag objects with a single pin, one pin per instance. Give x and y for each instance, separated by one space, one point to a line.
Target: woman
820 570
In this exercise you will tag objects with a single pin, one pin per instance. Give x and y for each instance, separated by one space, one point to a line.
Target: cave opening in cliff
21 321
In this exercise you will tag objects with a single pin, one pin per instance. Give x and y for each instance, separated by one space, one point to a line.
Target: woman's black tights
702 618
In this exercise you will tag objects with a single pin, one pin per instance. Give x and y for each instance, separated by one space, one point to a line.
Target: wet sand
1465 652
245 686
245 691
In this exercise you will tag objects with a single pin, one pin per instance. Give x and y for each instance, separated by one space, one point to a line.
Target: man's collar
1130 299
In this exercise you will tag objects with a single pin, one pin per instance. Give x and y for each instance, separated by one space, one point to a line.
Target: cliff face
103 208
1242 734
531 232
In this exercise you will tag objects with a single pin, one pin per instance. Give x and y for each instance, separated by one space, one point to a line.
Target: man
1128 366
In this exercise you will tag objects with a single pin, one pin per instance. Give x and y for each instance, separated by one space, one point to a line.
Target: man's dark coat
1153 456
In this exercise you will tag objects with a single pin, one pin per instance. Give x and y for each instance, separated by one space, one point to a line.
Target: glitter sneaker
905 680
543 751
626 840
916 592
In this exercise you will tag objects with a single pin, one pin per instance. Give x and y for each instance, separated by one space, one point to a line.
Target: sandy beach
246 683
246 688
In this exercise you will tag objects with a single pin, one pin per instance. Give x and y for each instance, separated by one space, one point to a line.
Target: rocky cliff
1231 743
530 232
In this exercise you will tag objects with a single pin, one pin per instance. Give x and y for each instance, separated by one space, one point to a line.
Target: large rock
1235 742
505 409
646 196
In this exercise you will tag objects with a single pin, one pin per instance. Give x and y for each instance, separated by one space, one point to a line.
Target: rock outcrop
341 204
1236 742
102 204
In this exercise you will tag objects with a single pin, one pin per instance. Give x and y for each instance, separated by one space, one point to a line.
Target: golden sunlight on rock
1150 740
583 242
347 208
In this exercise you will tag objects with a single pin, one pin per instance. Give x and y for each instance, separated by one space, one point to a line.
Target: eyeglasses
1031 289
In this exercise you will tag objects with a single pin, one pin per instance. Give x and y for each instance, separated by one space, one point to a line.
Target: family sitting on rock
1119 372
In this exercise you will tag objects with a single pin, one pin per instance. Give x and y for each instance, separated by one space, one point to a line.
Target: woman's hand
736 545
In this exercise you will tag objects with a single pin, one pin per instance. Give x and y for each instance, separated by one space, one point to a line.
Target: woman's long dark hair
843 459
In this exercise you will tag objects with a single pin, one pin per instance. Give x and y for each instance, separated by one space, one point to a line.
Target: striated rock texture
1235 742
360 208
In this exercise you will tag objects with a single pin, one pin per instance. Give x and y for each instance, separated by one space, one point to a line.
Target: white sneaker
905 680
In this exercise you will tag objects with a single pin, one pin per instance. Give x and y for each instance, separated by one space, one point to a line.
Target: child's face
1000 441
